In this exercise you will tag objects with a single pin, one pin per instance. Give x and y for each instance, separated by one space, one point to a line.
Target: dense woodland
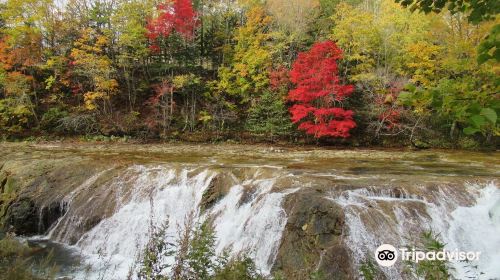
359 72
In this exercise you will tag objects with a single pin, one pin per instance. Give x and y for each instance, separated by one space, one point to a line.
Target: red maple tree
318 93
178 16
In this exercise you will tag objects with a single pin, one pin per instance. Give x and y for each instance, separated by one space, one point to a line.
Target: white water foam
477 229
380 218
248 219
255 226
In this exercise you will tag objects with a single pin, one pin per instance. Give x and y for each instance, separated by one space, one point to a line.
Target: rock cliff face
309 214
312 239
33 189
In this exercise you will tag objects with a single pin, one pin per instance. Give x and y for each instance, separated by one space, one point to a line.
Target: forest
351 72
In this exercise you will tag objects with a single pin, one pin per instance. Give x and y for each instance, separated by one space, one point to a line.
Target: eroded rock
312 240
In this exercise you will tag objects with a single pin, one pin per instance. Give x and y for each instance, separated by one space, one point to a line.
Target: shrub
430 269
16 265
195 257
51 119
79 124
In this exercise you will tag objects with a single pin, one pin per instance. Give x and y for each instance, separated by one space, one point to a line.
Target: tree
161 105
247 75
477 11
178 16
294 16
187 85
132 50
16 110
16 107
96 70
269 116
319 93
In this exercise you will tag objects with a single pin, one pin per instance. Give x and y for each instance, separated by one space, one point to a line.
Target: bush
51 119
195 257
80 124
14 118
152 263
15 263
430 269
240 268
369 271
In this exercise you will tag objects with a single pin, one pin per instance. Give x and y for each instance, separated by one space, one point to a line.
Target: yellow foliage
252 57
92 63
422 63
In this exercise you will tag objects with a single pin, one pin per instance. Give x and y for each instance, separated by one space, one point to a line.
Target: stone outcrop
219 186
312 241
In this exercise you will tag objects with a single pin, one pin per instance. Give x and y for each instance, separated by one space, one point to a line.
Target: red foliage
157 106
318 87
279 78
178 16
160 91
391 112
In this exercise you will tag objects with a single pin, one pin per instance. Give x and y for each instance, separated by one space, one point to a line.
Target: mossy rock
312 240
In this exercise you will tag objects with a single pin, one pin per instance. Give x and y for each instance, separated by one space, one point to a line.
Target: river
293 208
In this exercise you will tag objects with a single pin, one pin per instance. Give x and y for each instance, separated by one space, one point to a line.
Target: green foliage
195 257
430 269
14 117
52 118
458 101
370 271
201 253
152 265
490 46
240 268
477 10
269 116
16 265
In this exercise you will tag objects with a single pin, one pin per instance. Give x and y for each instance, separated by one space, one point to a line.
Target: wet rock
312 240
21 217
247 196
218 188
32 192
49 215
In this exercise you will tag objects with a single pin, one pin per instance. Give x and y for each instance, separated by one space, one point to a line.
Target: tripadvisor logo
387 255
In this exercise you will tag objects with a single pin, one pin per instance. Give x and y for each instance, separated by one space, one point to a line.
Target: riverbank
467 144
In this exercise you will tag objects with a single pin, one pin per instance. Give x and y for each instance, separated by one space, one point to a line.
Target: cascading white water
249 218
67 201
376 218
477 229
255 226
108 217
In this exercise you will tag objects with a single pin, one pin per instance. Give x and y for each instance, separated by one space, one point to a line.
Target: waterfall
107 218
465 219
477 228
256 225
249 218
